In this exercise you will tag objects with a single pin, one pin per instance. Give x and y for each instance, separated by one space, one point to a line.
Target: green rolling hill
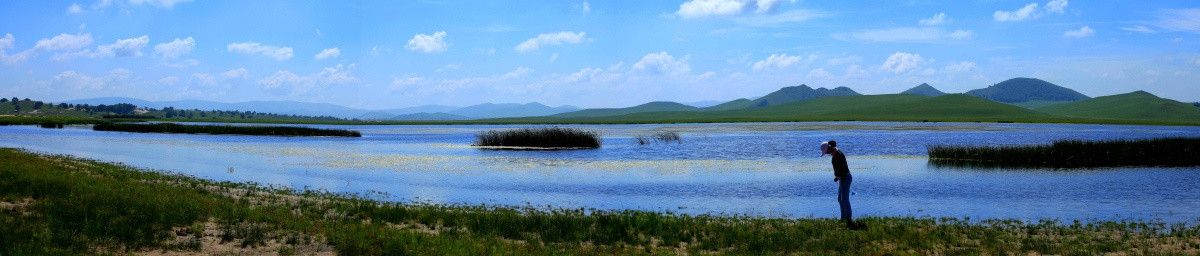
1137 105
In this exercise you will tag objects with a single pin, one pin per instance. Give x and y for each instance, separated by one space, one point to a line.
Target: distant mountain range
434 112
1024 97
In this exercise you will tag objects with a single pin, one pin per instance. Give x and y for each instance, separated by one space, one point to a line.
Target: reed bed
658 136
538 138
224 129
62 205
1170 152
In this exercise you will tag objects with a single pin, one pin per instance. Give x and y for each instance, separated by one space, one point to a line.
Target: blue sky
391 54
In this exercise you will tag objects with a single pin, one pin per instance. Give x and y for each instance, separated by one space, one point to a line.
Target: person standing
841 174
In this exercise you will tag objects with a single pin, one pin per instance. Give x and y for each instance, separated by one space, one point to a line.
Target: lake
760 169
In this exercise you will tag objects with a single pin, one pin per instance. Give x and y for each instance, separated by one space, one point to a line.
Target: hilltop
1018 90
783 96
925 90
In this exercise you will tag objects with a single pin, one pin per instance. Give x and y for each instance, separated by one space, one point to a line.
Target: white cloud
716 8
239 73
790 16
284 81
901 62
662 63
329 53
428 43
169 80
76 81
1139 29
1026 12
254 48
910 34
129 47
706 8
1179 20
201 78
519 72
585 8
1056 6
175 48
960 34
63 42
160 3
7 42
375 51
554 57
563 37
75 9
1031 11
777 61
937 19
819 73
960 67
1085 31
842 60
183 63
406 82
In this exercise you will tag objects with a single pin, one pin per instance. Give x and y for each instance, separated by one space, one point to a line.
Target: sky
394 54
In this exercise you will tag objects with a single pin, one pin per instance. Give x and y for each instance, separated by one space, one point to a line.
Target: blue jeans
844 196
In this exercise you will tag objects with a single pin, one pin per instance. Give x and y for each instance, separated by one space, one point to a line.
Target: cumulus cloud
1031 11
901 62
129 47
960 67
202 78
558 38
819 73
284 81
715 8
937 19
1179 20
175 48
329 53
777 61
428 43
255 48
662 63
1026 12
960 34
405 83
160 3
169 80
239 73
1085 31
63 42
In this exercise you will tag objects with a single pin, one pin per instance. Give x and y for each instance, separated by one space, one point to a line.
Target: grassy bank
548 138
66 205
1074 153
224 129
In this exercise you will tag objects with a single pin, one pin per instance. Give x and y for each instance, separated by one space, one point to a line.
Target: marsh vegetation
659 137
539 138
1178 151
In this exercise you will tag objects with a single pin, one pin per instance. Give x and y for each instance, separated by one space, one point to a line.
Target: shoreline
149 211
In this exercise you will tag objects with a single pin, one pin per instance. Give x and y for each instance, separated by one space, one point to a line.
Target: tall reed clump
658 136
1178 151
224 129
547 138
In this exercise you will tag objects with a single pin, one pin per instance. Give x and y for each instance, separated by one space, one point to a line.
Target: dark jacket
839 164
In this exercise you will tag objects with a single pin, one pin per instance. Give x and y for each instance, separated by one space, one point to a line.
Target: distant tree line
126 110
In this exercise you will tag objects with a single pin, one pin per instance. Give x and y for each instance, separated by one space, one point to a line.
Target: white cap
824 148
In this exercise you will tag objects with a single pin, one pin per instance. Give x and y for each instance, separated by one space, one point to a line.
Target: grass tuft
1178 151
541 138
659 136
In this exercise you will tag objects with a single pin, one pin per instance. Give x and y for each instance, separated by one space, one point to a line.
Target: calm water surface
766 169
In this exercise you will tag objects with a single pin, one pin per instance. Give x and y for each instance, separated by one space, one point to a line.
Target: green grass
1074 153
1138 105
68 205
542 138
224 129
